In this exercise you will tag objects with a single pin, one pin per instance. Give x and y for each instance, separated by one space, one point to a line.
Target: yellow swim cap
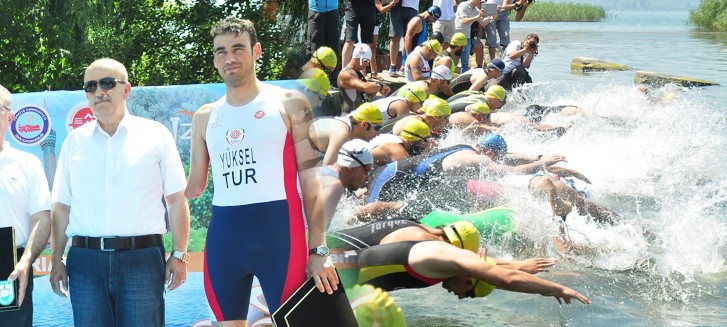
463 234
496 91
368 112
316 80
415 130
436 107
434 44
481 108
326 57
373 307
482 288
415 94
458 39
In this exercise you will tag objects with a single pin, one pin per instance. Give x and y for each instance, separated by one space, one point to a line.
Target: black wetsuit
399 179
387 267
368 235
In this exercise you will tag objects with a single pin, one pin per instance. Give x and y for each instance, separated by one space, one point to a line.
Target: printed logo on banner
31 125
7 293
235 136
79 115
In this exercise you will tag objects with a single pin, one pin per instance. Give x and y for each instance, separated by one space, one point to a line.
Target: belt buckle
102 244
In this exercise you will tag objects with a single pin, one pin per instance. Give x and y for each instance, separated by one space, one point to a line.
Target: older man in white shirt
108 189
24 199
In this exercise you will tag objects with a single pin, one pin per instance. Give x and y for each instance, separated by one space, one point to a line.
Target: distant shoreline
562 12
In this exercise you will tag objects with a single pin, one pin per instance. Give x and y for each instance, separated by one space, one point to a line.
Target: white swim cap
354 153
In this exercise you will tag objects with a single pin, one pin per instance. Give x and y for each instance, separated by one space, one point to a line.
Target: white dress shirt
23 191
115 184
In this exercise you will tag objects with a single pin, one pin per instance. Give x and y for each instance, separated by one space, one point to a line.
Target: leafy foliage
200 209
711 15
562 12
46 44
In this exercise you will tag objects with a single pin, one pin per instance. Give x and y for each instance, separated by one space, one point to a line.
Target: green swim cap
481 108
373 307
316 80
436 107
497 92
464 235
368 112
482 288
326 56
415 130
415 94
458 39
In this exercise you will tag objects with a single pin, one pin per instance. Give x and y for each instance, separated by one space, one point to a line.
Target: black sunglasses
414 134
375 127
106 84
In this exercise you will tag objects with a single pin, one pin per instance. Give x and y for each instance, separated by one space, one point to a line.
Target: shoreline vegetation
710 16
562 12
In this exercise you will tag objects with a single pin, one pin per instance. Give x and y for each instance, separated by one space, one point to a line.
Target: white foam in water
659 164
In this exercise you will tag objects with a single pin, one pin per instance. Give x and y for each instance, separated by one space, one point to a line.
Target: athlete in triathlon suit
397 180
247 136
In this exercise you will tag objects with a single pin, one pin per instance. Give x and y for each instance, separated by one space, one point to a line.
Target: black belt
117 243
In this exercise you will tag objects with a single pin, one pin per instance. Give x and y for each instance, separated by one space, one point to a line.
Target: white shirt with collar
115 184
23 191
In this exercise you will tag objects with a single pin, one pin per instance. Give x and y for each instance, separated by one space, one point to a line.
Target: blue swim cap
435 11
495 143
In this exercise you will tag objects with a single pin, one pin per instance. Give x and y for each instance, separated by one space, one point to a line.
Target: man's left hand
175 273
21 275
323 273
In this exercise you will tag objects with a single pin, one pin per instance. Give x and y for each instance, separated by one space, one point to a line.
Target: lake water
661 165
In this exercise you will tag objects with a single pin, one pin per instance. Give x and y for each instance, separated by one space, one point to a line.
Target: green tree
46 44
711 15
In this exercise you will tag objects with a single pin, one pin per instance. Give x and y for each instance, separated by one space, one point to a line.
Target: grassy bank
711 15
562 12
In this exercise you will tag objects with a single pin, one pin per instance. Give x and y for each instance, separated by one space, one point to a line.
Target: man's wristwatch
320 250
184 256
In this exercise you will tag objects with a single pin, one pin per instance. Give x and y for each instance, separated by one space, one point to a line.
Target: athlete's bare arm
415 66
413 27
199 158
294 113
347 79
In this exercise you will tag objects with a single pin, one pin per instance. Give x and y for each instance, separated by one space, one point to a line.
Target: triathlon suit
368 235
418 39
461 100
446 53
426 69
387 267
398 179
383 105
352 98
257 225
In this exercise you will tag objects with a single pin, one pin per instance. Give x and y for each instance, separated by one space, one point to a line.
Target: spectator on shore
500 26
324 30
358 14
445 23
115 270
518 57
401 14
381 10
469 12
25 203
